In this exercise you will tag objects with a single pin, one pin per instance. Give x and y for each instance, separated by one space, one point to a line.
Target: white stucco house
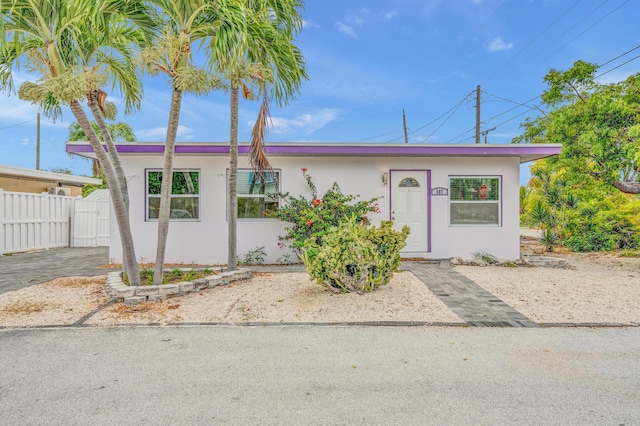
457 199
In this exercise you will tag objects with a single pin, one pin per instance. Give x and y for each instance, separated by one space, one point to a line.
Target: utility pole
478 114
486 132
404 121
38 142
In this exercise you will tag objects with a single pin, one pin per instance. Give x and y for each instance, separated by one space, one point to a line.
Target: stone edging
120 292
526 260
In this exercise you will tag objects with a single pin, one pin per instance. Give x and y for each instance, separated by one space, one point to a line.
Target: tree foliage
573 197
72 49
597 124
312 218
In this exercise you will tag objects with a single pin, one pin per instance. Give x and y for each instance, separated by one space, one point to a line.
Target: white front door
409 207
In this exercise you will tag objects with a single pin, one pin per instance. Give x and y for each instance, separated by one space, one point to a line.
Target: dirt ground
598 288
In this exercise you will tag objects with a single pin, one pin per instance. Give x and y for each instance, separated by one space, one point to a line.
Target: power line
511 101
511 119
451 110
553 41
587 29
525 104
446 119
464 133
616 67
19 124
619 56
486 21
534 39
464 140
377 136
458 105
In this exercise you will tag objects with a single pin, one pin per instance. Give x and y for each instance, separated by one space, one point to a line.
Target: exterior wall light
385 178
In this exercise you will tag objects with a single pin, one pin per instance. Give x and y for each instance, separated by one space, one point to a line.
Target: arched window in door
408 183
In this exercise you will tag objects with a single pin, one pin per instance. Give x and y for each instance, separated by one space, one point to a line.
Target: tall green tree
186 24
264 62
74 48
597 124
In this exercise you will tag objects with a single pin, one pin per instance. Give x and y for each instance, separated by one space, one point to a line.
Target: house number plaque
439 191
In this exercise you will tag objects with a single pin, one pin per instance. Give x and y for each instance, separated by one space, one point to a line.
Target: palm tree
118 131
185 23
267 58
67 43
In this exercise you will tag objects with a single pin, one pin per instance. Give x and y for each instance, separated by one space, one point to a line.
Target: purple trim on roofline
336 149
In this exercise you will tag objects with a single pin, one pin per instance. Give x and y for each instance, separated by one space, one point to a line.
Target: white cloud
305 123
344 28
159 134
358 19
497 44
309 24
389 15
14 109
24 141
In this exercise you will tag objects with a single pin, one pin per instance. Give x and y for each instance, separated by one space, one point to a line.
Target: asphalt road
320 375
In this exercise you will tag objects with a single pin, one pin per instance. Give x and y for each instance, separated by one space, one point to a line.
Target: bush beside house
331 236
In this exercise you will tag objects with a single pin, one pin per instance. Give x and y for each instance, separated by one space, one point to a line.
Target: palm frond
257 156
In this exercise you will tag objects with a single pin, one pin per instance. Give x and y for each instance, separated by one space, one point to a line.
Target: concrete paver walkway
472 303
24 269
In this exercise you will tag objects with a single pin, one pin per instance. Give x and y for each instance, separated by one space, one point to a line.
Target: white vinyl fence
42 221
90 220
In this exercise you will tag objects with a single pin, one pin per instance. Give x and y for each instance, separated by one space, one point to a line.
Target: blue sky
369 60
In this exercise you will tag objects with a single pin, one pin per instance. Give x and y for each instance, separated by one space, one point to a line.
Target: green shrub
604 226
253 257
353 257
171 276
314 217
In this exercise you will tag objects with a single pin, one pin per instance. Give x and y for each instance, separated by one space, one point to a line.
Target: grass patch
172 276
485 256
630 253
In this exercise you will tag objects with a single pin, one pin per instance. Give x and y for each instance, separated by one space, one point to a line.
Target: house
457 199
15 179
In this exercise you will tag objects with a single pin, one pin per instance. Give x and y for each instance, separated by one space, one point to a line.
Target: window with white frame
185 195
254 201
475 200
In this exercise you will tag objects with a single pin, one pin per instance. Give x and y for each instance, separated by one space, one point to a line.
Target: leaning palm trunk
95 104
167 184
121 213
232 209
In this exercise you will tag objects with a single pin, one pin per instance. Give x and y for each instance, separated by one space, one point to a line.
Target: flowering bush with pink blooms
312 218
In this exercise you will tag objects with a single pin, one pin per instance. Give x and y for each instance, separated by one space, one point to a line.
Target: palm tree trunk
247 204
232 200
121 213
112 152
189 182
167 185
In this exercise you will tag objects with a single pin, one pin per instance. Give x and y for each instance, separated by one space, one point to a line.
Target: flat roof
73 180
526 152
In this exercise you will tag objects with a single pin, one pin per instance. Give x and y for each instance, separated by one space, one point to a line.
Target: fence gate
91 220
